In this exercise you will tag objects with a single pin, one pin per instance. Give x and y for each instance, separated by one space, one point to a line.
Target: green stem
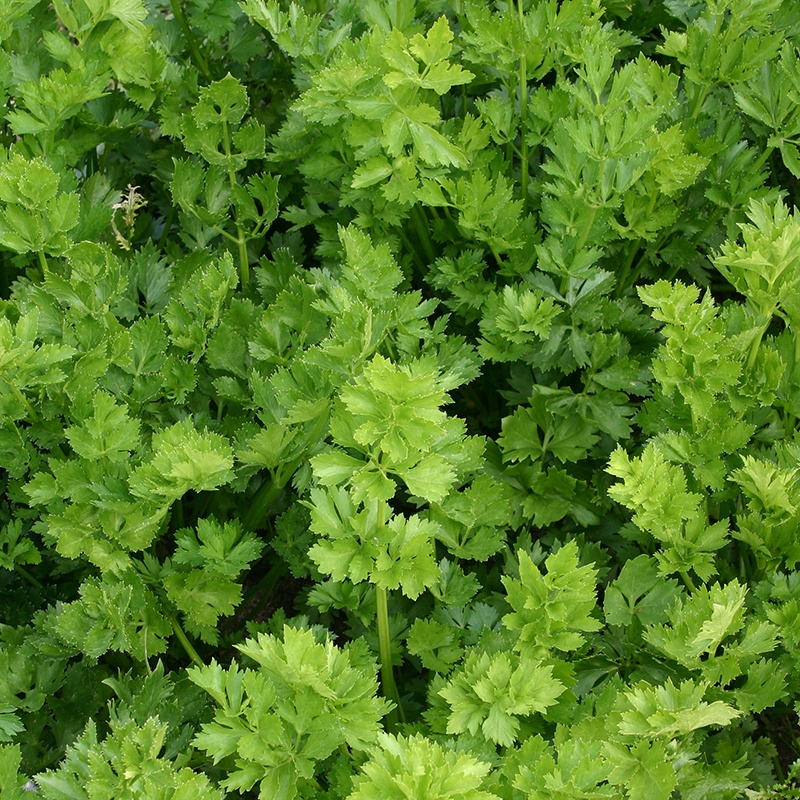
523 116
223 232
42 260
659 243
697 102
793 738
184 640
385 647
420 264
497 257
790 421
28 577
789 425
421 228
266 585
622 281
191 42
103 160
763 158
179 519
168 220
241 240
586 229
390 690
688 581
713 219
32 415
244 263
257 508
754 347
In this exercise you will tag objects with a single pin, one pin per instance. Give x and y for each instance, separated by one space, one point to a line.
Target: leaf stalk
28 577
191 41
184 640
241 239
390 690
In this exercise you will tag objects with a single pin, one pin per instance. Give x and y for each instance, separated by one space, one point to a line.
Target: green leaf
418 767
148 343
12 783
769 490
553 610
533 431
436 644
397 408
430 479
10 726
187 183
708 633
127 763
203 596
268 447
514 321
766 268
669 711
434 148
221 101
24 364
196 309
16 547
371 172
489 693
109 433
294 31
113 614
47 103
490 213
639 593
36 216
764 687
284 718
368 269
224 549
183 459
698 360
436 45
579 771
262 189
408 559
644 770
472 521
334 468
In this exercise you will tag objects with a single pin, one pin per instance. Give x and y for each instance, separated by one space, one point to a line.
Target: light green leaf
644 770
418 767
108 434
431 478
183 459
552 610
669 711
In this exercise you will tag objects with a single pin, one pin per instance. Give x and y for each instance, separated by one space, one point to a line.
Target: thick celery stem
384 645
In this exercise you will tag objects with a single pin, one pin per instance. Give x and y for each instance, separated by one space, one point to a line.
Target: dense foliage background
399 399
